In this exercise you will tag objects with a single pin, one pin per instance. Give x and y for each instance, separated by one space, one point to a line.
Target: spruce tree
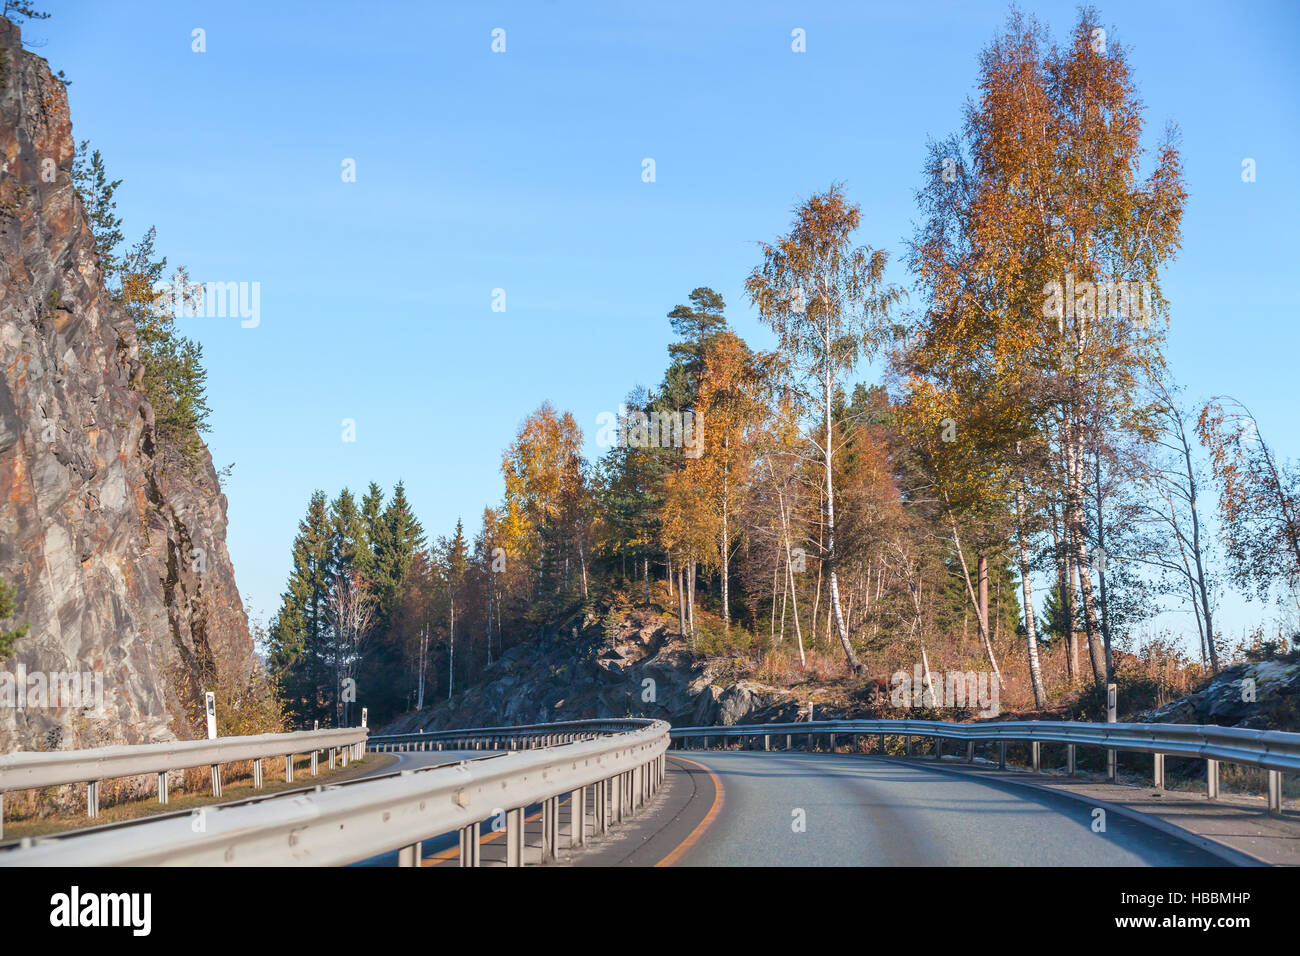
350 545
398 536
300 642
455 561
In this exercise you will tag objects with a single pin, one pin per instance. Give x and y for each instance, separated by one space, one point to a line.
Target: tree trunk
794 599
1031 634
690 598
451 649
1101 570
840 624
726 568
981 620
681 604
1201 585
776 573
582 563
1075 518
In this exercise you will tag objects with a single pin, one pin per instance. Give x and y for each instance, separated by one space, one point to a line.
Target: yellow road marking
693 837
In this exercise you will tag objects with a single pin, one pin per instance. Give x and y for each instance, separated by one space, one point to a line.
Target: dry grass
33 813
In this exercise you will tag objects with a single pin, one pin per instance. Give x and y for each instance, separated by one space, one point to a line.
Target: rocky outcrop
1261 695
639 669
118 554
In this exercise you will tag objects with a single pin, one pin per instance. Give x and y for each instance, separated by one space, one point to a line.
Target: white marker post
1112 701
210 705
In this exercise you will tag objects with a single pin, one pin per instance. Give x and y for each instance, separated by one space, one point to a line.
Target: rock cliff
640 668
117 552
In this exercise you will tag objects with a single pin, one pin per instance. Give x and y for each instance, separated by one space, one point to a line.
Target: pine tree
22 9
90 176
697 324
174 379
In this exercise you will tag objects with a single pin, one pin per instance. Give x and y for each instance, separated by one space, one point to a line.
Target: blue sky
521 171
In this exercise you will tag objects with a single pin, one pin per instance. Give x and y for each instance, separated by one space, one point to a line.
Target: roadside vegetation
1022 488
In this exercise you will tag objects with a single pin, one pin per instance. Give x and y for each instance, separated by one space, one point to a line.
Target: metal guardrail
1275 751
32 770
521 737
346 823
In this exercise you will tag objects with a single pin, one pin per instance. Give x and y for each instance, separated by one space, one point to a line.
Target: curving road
797 809
751 808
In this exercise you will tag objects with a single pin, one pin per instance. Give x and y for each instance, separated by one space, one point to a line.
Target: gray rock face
643 671
118 555
1260 695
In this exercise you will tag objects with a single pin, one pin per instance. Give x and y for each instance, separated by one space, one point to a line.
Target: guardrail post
1158 771
601 808
344 755
789 741
578 817
938 748
1275 793
882 745
832 743
410 855
1212 779
515 837
617 783
767 741
550 827
216 780
907 745
1002 755
92 799
469 845
1112 768
162 787
288 769
1036 748
331 758
257 774
315 757
970 751
1069 759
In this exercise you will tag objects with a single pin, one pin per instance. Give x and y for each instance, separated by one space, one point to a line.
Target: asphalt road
797 809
